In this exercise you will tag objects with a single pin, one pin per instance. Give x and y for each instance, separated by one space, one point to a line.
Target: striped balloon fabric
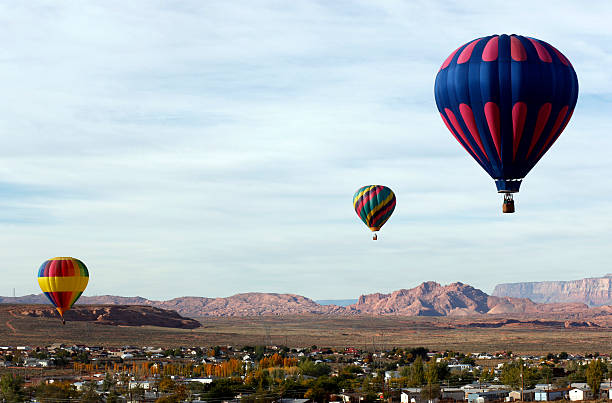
63 280
374 204
506 99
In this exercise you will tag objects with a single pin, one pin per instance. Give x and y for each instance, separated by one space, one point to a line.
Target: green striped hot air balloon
374 204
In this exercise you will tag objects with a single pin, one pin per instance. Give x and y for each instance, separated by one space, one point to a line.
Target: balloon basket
508 206
374 237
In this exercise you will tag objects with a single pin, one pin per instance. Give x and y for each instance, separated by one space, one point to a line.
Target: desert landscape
429 315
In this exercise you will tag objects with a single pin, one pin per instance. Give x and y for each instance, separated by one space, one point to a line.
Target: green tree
259 352
431 373
222 389
108 383
545 374
511 375
430 392
11 388
577 372
487 375
309 368
594 375
89 395
417 373
112 397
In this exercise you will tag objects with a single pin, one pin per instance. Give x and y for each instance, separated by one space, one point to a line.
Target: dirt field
361 332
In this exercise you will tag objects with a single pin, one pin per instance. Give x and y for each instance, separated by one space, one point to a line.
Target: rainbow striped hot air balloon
63 280
374 204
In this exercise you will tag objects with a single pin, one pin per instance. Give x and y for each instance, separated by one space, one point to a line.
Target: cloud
210 148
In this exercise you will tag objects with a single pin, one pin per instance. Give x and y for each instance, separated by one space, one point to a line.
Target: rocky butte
596 291
427 299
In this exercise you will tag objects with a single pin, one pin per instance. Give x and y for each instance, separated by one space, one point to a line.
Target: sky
209 148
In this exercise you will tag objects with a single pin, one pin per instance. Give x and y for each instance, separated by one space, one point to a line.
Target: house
391 375
413 395
528 395
146 385
548 395
456 394
459 367
487 396
576 394
350 397
200 380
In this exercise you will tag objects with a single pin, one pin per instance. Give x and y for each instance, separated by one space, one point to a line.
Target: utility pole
522 382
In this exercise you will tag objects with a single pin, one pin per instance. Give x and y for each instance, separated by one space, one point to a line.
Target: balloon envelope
506 99
63 280
374 204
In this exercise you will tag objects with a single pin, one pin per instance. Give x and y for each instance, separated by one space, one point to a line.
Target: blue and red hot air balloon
506 99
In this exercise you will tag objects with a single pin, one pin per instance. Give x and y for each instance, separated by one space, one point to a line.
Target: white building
146 385
576 394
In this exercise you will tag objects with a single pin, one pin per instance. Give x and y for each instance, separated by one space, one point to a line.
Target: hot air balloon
63 280
374 204
506 99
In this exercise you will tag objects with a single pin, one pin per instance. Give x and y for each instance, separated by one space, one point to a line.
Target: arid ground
297 331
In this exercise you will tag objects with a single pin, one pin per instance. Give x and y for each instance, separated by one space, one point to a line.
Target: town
58 373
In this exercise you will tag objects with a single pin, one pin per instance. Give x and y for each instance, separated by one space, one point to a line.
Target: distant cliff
591 291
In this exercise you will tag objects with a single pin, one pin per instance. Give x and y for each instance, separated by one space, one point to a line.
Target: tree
222 389
108 382
487 375
417 372
113 397
52 392
166 385
11 388
431 391
511 375
90 395
577 372
594 375
309 368
431 373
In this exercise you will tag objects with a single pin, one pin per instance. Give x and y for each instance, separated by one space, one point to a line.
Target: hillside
117 315
457 299
591 291
427 299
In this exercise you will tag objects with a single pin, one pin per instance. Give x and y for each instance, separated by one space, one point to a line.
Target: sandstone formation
427 299
457 299
118 315
591 291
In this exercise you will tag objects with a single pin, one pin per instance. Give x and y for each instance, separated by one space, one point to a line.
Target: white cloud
210 148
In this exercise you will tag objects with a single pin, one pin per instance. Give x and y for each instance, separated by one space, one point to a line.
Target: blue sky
212 147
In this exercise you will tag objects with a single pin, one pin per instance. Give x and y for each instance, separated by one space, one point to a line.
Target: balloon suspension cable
375 236
508 206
